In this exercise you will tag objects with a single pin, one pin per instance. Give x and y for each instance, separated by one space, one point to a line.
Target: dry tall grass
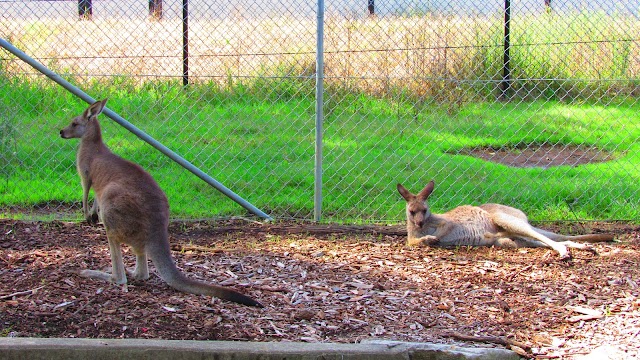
427 56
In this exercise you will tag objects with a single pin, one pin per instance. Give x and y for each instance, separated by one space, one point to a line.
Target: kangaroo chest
469 226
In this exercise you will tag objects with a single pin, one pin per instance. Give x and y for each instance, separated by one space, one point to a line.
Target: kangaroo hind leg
118 274
563 239
141 271
521 228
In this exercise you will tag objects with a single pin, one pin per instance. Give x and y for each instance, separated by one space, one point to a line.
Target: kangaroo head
417 208
80 124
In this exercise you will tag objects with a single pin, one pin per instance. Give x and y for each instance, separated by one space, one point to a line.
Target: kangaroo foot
92 219
566 257
104 276
137 274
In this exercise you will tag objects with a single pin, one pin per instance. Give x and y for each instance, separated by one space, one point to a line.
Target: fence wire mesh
529 103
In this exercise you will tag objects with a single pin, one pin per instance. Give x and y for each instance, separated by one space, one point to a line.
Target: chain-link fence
529 103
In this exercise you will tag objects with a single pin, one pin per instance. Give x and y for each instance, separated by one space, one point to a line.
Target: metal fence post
506 64
85 10
155 9
317 210
185 42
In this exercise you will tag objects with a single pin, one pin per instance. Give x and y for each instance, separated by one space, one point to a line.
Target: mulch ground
323 283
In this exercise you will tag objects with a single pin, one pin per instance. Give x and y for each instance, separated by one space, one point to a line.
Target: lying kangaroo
133 209
484 225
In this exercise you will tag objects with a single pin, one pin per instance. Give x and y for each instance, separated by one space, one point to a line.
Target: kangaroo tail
161 257
590 238
185 284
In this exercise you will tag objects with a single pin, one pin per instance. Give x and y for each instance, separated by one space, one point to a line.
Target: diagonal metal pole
139 133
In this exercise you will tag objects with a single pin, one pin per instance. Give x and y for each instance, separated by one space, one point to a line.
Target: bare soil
543 156
323 283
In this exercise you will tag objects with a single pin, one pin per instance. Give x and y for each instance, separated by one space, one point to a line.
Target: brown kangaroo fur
133 209
484 225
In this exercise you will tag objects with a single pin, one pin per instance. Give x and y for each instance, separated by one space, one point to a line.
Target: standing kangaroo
484 225
133 209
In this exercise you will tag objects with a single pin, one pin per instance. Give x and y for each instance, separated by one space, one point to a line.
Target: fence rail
531 103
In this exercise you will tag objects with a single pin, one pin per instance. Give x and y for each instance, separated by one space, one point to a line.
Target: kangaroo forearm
442 229
413 241
95 207
86 186
85 200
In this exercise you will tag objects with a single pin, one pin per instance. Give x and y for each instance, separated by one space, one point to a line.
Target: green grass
391 116
262 147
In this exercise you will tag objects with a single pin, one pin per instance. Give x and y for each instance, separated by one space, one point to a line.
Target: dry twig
21 293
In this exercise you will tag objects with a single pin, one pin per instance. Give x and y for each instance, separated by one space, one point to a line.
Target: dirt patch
543 156
327 283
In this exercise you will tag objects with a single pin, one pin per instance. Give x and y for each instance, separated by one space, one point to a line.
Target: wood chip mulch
324 283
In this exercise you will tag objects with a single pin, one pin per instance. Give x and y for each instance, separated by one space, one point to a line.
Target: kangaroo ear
95 109
424 194
405 193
